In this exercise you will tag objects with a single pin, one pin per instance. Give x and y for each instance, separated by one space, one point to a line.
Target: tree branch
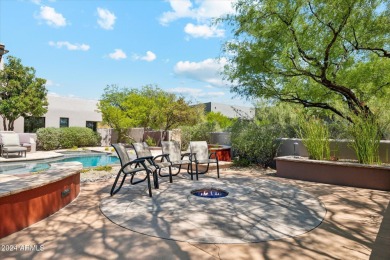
307 103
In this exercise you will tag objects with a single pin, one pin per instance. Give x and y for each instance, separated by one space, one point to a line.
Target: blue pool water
86 160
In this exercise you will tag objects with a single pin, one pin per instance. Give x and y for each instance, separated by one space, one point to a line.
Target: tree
149 107
113 111
326 54
21 93
223 121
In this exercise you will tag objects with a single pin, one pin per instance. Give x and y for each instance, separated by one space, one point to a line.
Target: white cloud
50 83
70 46
150 56
196 93
204 10
208 71
118 54
203 31
51 17
37 2
106 19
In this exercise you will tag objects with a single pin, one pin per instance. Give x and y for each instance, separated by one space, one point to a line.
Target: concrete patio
351 229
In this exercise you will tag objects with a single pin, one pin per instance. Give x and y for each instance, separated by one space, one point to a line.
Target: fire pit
211 193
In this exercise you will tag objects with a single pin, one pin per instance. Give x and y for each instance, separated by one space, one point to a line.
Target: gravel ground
93 175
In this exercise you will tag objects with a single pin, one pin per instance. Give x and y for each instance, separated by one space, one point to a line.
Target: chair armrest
136 161
215 155
192 157
185 154
164 155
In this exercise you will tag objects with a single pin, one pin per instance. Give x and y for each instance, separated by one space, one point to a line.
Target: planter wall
340 148
338 173
27 200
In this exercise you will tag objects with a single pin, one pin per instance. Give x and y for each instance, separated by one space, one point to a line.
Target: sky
81 46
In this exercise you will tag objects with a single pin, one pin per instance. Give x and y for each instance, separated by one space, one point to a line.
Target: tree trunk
5 124
11 125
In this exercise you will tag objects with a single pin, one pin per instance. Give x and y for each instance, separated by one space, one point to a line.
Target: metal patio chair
175 156
200 155
131 167
142 151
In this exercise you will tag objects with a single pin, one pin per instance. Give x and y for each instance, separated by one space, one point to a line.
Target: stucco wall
76 109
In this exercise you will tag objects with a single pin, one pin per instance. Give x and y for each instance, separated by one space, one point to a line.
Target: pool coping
16 183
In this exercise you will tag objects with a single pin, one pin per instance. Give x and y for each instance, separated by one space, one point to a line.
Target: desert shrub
284 116
315 137
53 138
366 137
48 138
254 142
198 132
150 141
78 136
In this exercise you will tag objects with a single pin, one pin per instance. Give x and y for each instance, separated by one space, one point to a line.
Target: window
32 124
64 122
92 125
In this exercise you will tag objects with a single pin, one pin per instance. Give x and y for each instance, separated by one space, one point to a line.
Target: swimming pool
90 160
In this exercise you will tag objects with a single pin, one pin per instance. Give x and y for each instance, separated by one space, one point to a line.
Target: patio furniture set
11 142
171 156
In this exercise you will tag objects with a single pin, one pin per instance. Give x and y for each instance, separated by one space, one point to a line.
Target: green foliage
223 121
48 138
21 93
150 141
67 137
78 136
284 116
148 107
198 132
106 168
366 138
324 54
315 136
254 142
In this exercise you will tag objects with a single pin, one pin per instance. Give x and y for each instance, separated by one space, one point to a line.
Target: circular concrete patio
255 210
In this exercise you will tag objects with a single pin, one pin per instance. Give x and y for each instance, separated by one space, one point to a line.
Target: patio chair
10 144
175 156
130 167
142 151
200 155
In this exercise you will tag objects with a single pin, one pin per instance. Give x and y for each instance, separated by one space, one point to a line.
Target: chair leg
170 174
189 171
115 182
155 178
218 169
149 185
196 166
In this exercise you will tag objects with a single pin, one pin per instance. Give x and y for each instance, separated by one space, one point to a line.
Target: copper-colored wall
23 209
347 175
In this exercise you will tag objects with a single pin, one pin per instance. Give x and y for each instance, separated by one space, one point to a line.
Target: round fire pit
211 193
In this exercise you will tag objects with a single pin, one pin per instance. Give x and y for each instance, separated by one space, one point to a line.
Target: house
230 111
62 112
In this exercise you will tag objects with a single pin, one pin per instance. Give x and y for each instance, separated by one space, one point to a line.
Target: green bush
366 136
67 137
48 138
254 142
315 137
199 132
150 141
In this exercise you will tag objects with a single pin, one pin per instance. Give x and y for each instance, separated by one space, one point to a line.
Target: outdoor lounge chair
175 157
10 144
200 155
142 150
129 167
